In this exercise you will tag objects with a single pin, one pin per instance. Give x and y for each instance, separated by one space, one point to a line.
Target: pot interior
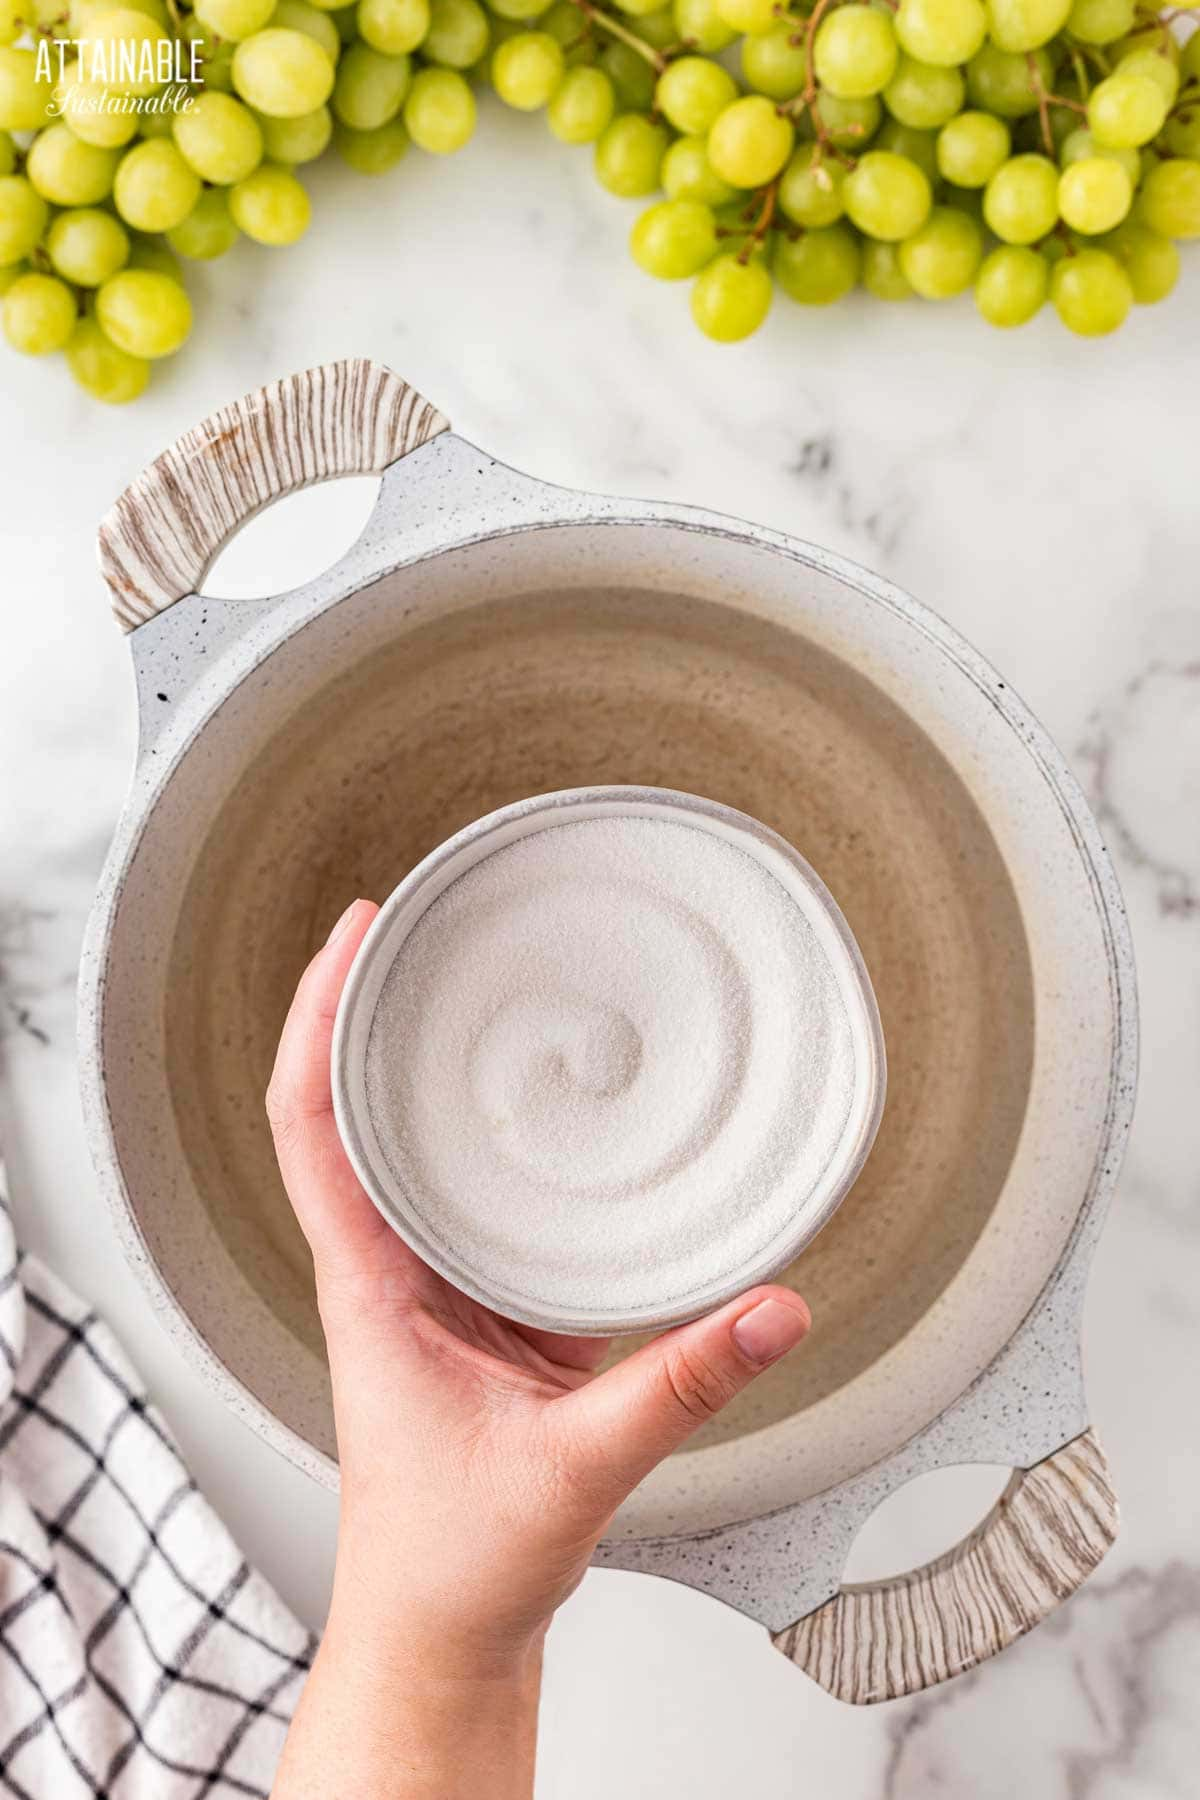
376 763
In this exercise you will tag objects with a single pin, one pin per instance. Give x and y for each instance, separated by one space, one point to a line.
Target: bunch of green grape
1025 149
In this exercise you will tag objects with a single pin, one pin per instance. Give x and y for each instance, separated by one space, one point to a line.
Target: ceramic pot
489 637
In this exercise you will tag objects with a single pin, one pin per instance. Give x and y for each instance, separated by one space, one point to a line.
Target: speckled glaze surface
627 641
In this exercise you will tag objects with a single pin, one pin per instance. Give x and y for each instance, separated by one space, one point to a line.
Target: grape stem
606 22
1045 100
762 224
807 99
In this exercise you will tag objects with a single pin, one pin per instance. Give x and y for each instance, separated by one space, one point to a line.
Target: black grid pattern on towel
141 1658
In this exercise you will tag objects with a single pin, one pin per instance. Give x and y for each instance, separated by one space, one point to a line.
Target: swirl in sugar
608 1064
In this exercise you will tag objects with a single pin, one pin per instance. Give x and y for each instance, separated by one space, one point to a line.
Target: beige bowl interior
365 741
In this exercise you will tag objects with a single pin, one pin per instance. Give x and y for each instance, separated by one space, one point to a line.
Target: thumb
626 1420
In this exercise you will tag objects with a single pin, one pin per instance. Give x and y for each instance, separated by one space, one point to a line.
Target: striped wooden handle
1050 1528
162 536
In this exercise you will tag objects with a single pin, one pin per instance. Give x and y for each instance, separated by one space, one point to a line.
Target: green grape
655 28
1156 63
8 154
153 255
144 313
774 63
1169 202
1189 60
692 92
67 172
38 314
155 188
370 88
855 52
1094 195
1181 133
1020 202
234 20
850 124
810 193
674 239
219 138
11 22
9 273
1079 145
345 22
971 148
439 114
282 73
750 142
1091 292
83 107
1150 260
216 60
569 29
126 45
158 124
1100 21
519 10
23 218
299 15
817 266
924 95
887 196
582 107
631 75
629 156
1021 25
1126 110
1000 81
730 299
270 206
881 271
749 16
527 70
79 12
23 98
941 257
459 33
1012 285
208 231
300 140
372 152
699 24
919 147
637 9
393 26
86 246
687 174
101 369
942 32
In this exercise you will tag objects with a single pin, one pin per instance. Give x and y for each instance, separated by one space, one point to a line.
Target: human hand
481 1460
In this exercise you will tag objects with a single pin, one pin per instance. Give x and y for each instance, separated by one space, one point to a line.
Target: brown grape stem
1045 100
807 101
762 224
614 27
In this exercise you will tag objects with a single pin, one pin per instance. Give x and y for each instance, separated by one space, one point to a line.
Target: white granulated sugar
609 1065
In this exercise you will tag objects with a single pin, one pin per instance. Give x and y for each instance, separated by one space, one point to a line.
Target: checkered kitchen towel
140 1658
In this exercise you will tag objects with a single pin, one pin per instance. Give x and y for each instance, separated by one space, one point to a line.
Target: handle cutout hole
293 540
922 1520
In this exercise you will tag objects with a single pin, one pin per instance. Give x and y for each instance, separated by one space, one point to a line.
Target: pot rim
278 619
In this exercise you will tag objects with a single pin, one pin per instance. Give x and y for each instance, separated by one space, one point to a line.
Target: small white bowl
422 886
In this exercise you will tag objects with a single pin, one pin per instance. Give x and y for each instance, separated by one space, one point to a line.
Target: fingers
335 1214
626 1420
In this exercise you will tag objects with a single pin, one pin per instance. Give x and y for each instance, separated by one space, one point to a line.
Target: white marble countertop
1038 490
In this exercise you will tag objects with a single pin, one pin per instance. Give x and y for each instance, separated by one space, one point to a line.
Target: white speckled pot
243 708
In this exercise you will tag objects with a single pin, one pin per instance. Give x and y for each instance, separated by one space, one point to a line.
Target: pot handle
1050 1528
162 536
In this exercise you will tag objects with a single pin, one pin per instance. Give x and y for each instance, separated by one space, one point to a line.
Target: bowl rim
466 848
